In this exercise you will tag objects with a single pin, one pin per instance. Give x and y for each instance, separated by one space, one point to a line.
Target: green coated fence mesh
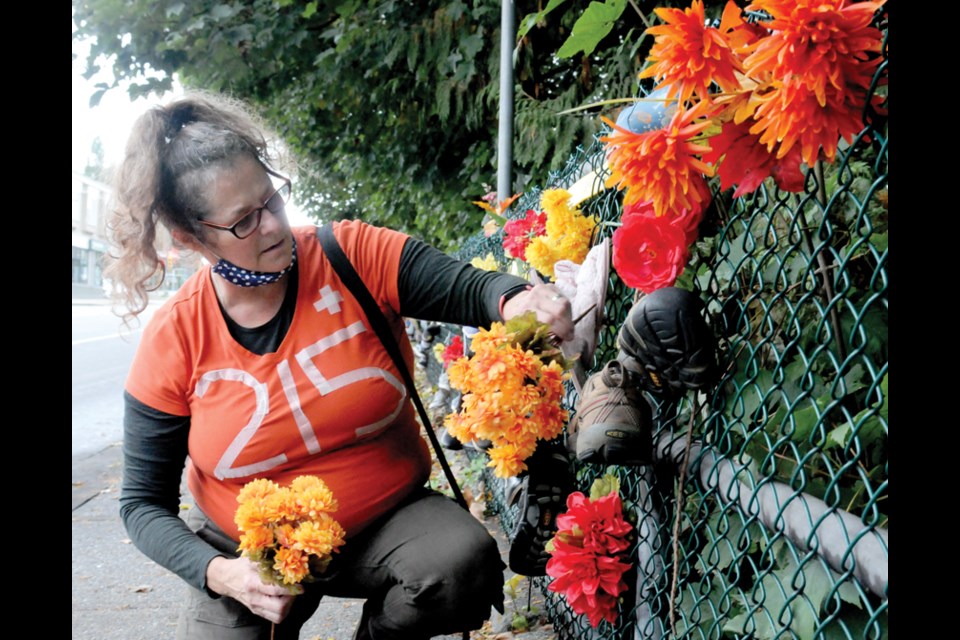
764 515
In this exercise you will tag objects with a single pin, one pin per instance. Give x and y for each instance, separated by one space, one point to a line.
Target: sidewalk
118 594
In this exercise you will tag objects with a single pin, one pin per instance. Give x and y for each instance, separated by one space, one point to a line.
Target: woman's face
235 191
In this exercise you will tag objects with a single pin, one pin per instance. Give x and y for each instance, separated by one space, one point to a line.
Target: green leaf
222 11
519 622
605 485
592 27
309 10
839 436
528 21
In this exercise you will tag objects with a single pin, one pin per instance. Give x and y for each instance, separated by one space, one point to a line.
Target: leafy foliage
391 107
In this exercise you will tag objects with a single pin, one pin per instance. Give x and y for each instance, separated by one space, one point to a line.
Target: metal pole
505 138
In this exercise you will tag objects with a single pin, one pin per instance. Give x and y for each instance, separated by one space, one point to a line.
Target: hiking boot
666 343
539 497
612 423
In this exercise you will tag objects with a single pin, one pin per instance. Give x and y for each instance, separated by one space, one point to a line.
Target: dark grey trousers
428 568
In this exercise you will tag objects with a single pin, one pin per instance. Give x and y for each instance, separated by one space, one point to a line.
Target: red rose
649 252
687 219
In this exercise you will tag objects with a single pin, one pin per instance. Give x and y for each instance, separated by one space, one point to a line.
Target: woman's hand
238 578
550 306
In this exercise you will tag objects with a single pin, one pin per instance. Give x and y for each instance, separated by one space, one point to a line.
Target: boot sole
540 497
673 347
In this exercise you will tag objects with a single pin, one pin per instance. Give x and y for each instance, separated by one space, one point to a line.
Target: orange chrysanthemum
292 564
256 538
285 529
660 165
512 394
689 56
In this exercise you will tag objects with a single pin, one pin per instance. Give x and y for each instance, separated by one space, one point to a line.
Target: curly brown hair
163 178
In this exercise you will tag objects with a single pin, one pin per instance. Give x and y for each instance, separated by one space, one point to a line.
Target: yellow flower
568 233
283 529
487 263
510 396
292 564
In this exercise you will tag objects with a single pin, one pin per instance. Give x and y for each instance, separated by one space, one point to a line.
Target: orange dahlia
822 43
822 56
660 165
689 56
792 114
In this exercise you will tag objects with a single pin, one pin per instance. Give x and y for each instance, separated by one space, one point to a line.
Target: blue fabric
246 278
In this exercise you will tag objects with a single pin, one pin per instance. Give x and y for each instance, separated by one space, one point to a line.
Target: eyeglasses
249 223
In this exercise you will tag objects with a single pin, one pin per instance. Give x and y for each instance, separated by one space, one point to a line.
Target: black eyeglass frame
258 212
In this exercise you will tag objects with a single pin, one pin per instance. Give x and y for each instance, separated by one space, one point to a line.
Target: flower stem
676 520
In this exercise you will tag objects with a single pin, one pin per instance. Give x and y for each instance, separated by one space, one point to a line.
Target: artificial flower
452 351
822 56
512 387
517 234
747 162
495 212
659 165
687 220
649 252
567 233
792 114
487 263
689 56
587 553
286 530
821 43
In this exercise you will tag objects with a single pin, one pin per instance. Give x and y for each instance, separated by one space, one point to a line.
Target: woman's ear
187 240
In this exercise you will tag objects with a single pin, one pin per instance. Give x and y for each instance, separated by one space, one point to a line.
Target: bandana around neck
246 278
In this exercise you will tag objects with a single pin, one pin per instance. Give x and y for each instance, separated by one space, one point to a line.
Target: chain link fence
765 513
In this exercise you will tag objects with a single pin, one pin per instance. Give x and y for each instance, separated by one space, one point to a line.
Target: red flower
649 252
453 351
585 562
690 56
599 522
659 165
517 234
747 162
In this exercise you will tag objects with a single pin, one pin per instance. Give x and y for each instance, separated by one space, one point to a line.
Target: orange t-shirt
330 402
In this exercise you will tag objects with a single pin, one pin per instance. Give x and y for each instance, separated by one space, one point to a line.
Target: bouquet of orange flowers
512 388
288 531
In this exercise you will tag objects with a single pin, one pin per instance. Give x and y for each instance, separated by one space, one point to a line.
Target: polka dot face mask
246 278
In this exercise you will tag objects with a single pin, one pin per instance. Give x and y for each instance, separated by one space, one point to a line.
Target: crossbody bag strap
377 320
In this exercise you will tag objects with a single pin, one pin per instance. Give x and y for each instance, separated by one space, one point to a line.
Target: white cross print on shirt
329 300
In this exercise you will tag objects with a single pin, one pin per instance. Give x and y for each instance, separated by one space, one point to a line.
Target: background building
91 208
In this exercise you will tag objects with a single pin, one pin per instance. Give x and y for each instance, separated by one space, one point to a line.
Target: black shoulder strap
359 290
